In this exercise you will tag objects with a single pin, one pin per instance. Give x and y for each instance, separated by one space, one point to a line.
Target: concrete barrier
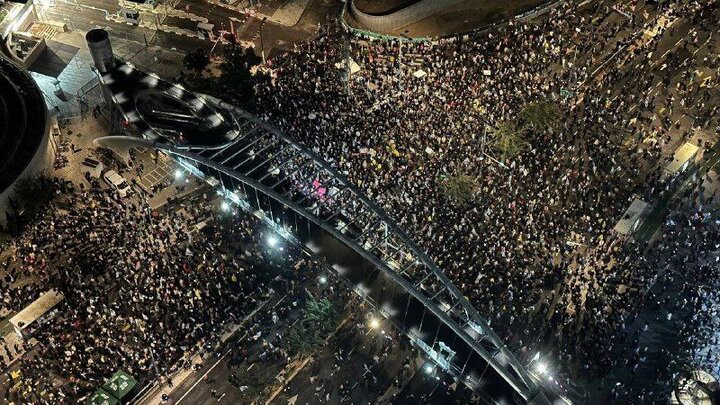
389 22
367 31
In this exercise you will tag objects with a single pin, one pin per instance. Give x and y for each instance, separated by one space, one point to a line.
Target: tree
459 188
509 140
540 116
5 238
236 76
34 192
249 383
196 60
714 213
320 318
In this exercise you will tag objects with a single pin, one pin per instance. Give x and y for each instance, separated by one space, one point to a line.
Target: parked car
116 181
94 167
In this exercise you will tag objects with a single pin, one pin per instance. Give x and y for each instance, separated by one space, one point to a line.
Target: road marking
623 13
672 48
203 377
704 43
633 43
228 351
278 303
221 397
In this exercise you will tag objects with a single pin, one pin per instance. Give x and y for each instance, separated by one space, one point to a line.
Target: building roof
23 121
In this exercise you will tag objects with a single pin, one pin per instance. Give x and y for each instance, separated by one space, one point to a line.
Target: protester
142 291
534 251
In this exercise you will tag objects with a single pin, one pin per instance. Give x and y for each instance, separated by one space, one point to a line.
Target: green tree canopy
540 116
34 192
509 140
459 188
320 318
236 77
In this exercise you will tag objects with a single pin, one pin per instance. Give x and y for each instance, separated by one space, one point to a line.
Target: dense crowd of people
535 247
678 330
142 291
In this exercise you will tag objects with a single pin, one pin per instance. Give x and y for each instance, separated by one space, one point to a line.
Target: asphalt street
83 15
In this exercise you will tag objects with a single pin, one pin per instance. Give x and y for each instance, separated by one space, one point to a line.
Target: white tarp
354 67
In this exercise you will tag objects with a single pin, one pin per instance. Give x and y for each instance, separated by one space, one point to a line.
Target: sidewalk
287 15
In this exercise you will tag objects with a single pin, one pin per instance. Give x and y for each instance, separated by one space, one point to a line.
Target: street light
374 323
178 174
429 368
272 241
262 45
323 280
225 206
541 368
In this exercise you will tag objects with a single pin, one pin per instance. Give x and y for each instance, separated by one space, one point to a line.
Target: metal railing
276 174
346 213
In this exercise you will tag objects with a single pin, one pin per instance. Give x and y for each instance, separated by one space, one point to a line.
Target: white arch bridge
257 165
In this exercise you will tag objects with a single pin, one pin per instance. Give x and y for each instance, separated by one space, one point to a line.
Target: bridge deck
301 193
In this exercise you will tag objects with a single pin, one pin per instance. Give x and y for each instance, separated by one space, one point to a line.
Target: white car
116 181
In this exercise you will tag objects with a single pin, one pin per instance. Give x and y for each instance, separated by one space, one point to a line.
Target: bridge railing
267 160
274 172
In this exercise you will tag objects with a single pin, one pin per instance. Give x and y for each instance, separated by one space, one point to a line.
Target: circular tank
98 41
24 132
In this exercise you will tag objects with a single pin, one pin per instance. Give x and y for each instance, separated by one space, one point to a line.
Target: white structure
682 158
25 149
700 388
632 218
39 309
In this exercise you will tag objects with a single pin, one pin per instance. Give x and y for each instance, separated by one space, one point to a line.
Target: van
117 182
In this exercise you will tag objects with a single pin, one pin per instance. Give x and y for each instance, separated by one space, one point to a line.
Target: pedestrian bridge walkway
266 171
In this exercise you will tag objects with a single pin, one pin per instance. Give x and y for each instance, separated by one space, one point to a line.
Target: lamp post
262 45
